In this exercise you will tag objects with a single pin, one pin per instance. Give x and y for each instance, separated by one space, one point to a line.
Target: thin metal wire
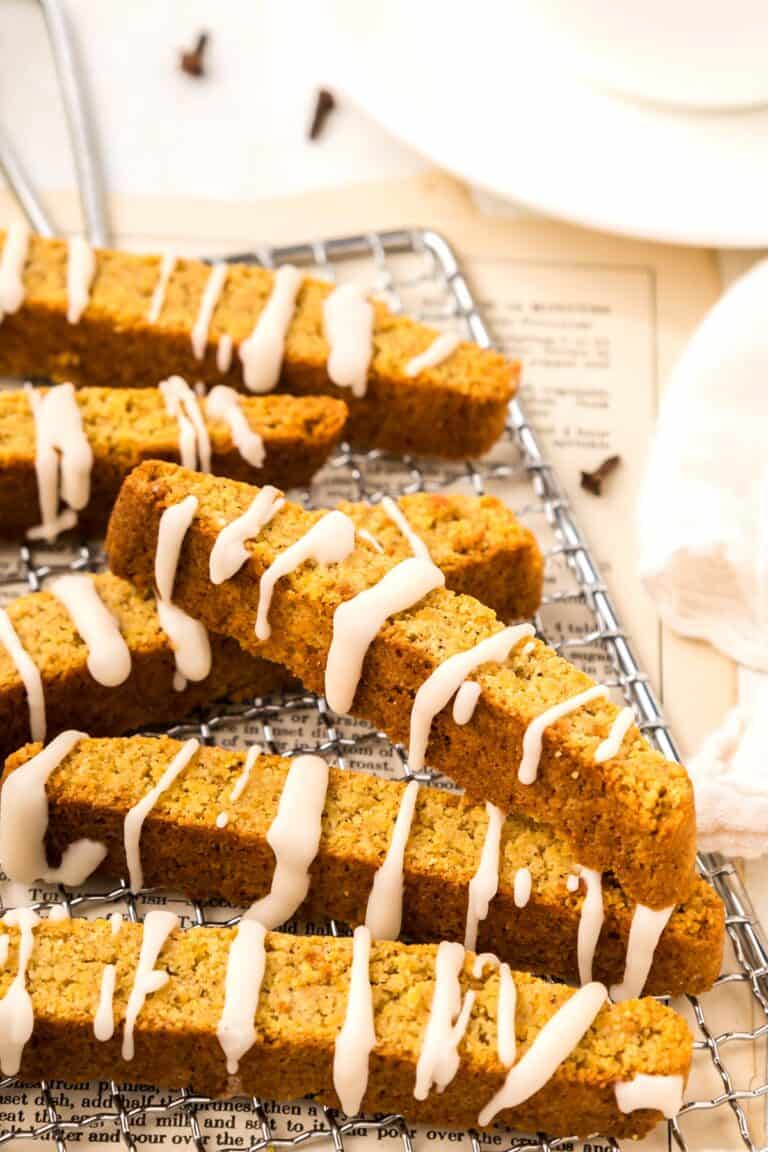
577 616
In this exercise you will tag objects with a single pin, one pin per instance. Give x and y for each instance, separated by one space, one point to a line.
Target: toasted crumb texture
91 791
300 1012
455 409
73 699
632 815
125 426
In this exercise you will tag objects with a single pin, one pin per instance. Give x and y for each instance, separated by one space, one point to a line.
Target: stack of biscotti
138 319
479 544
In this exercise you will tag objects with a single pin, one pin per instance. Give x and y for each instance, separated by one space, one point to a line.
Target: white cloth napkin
703 511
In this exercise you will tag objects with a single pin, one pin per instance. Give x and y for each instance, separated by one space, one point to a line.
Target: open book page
598 322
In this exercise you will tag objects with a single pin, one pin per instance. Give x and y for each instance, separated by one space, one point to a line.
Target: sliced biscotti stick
540 914
235 1010
282 439
631 813
61 690
456 407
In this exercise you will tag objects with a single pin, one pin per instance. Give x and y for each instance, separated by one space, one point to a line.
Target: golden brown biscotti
127 425
455 409
93 788
632 814
74 699
300 1011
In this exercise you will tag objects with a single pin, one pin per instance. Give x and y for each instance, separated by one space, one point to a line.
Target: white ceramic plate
488 106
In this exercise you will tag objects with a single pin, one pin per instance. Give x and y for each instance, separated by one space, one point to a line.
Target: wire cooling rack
419 273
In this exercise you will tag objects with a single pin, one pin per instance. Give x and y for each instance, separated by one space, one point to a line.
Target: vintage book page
598 323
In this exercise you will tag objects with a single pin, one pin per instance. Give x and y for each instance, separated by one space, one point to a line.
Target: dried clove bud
593 481
193 62
324 105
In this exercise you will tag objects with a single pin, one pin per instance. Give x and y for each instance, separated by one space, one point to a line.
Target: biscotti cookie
423 862
430 1032
119 318
389 643
57 443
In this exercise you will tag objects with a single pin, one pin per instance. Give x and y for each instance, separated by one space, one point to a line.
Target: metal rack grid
420 267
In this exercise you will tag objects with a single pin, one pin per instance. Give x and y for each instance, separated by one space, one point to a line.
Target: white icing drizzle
415 542
572 883
17 1017
246 961
662 1093
521 888
104 1018
348 322
224 352
485 883
294 837
188 637
384 911
229 552
528 648
109 658
223 403
24 822
63 459
465 702
364 534
262 352
158 926
329 541
357 1037
57 913
439 350
590 922
448 1018
506 1041
208 302
81 266
194 441
135 817
447 678
239 785
613 741
356 623
532 740
553 1044
644 934
167 265
12 263
115 923
29 673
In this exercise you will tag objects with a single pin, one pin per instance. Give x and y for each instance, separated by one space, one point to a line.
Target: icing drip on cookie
448 1018
224 353
294 837
63 459
590 922
485 883
241 783
29 673
135 816
167 265
24 822
506 1041
465 702
194 441
104 1019
364 534
551 1046
348 322
208 302
357 1037
439 350
17 1016
613 741
447 678
262 352
521 891
81 267
644 934
229 552
532 740
662 1093
109 658
223 403
246 962
12 263
329 541
188 637
415 542
357 622
384 912
158 926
